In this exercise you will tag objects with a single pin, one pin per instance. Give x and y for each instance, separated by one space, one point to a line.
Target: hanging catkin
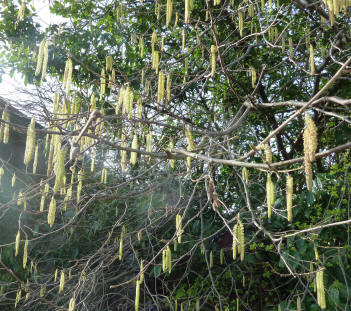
13 180
221 256
109 62
2 172
137 295
25 254
149 141
133 154
253 76
289 195
59 169
213 59
310 147
45 60
241 238
245 174
18 239
161 86
102 83
5 128
121 243
187 11
235 240
179 228
62 281
270 194
52 211
71 304
123 153
191 145
35 162
40 57
169 11
241 15
171 146
30 142
320 289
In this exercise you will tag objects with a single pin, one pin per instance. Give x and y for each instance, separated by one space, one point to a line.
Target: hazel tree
196 156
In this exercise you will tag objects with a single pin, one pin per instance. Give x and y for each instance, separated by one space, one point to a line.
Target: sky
9 86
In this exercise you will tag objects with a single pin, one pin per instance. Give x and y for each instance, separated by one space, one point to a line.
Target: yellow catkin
310 147
213 59
298 303
25 254
270 194
158 10
80 184
169 12
141 47
168 87
291 48
153 41
289 196
137 295
13 180
161 86
45 60
245 174
235 240
221 256
67 77
35 162
56 274
164 260
52 211
311 59
123 153
109 62
18 297
149 142
17 244
20 198
191 145
141 279
40 57
171 146
241 15
310 138
179 228
102 83
21 13
241 238
2 172
176 20
62 281
6 126
268 153
320 289
187 11
133 154
59 169
211 259
253 76
121 243
155 61
71 304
